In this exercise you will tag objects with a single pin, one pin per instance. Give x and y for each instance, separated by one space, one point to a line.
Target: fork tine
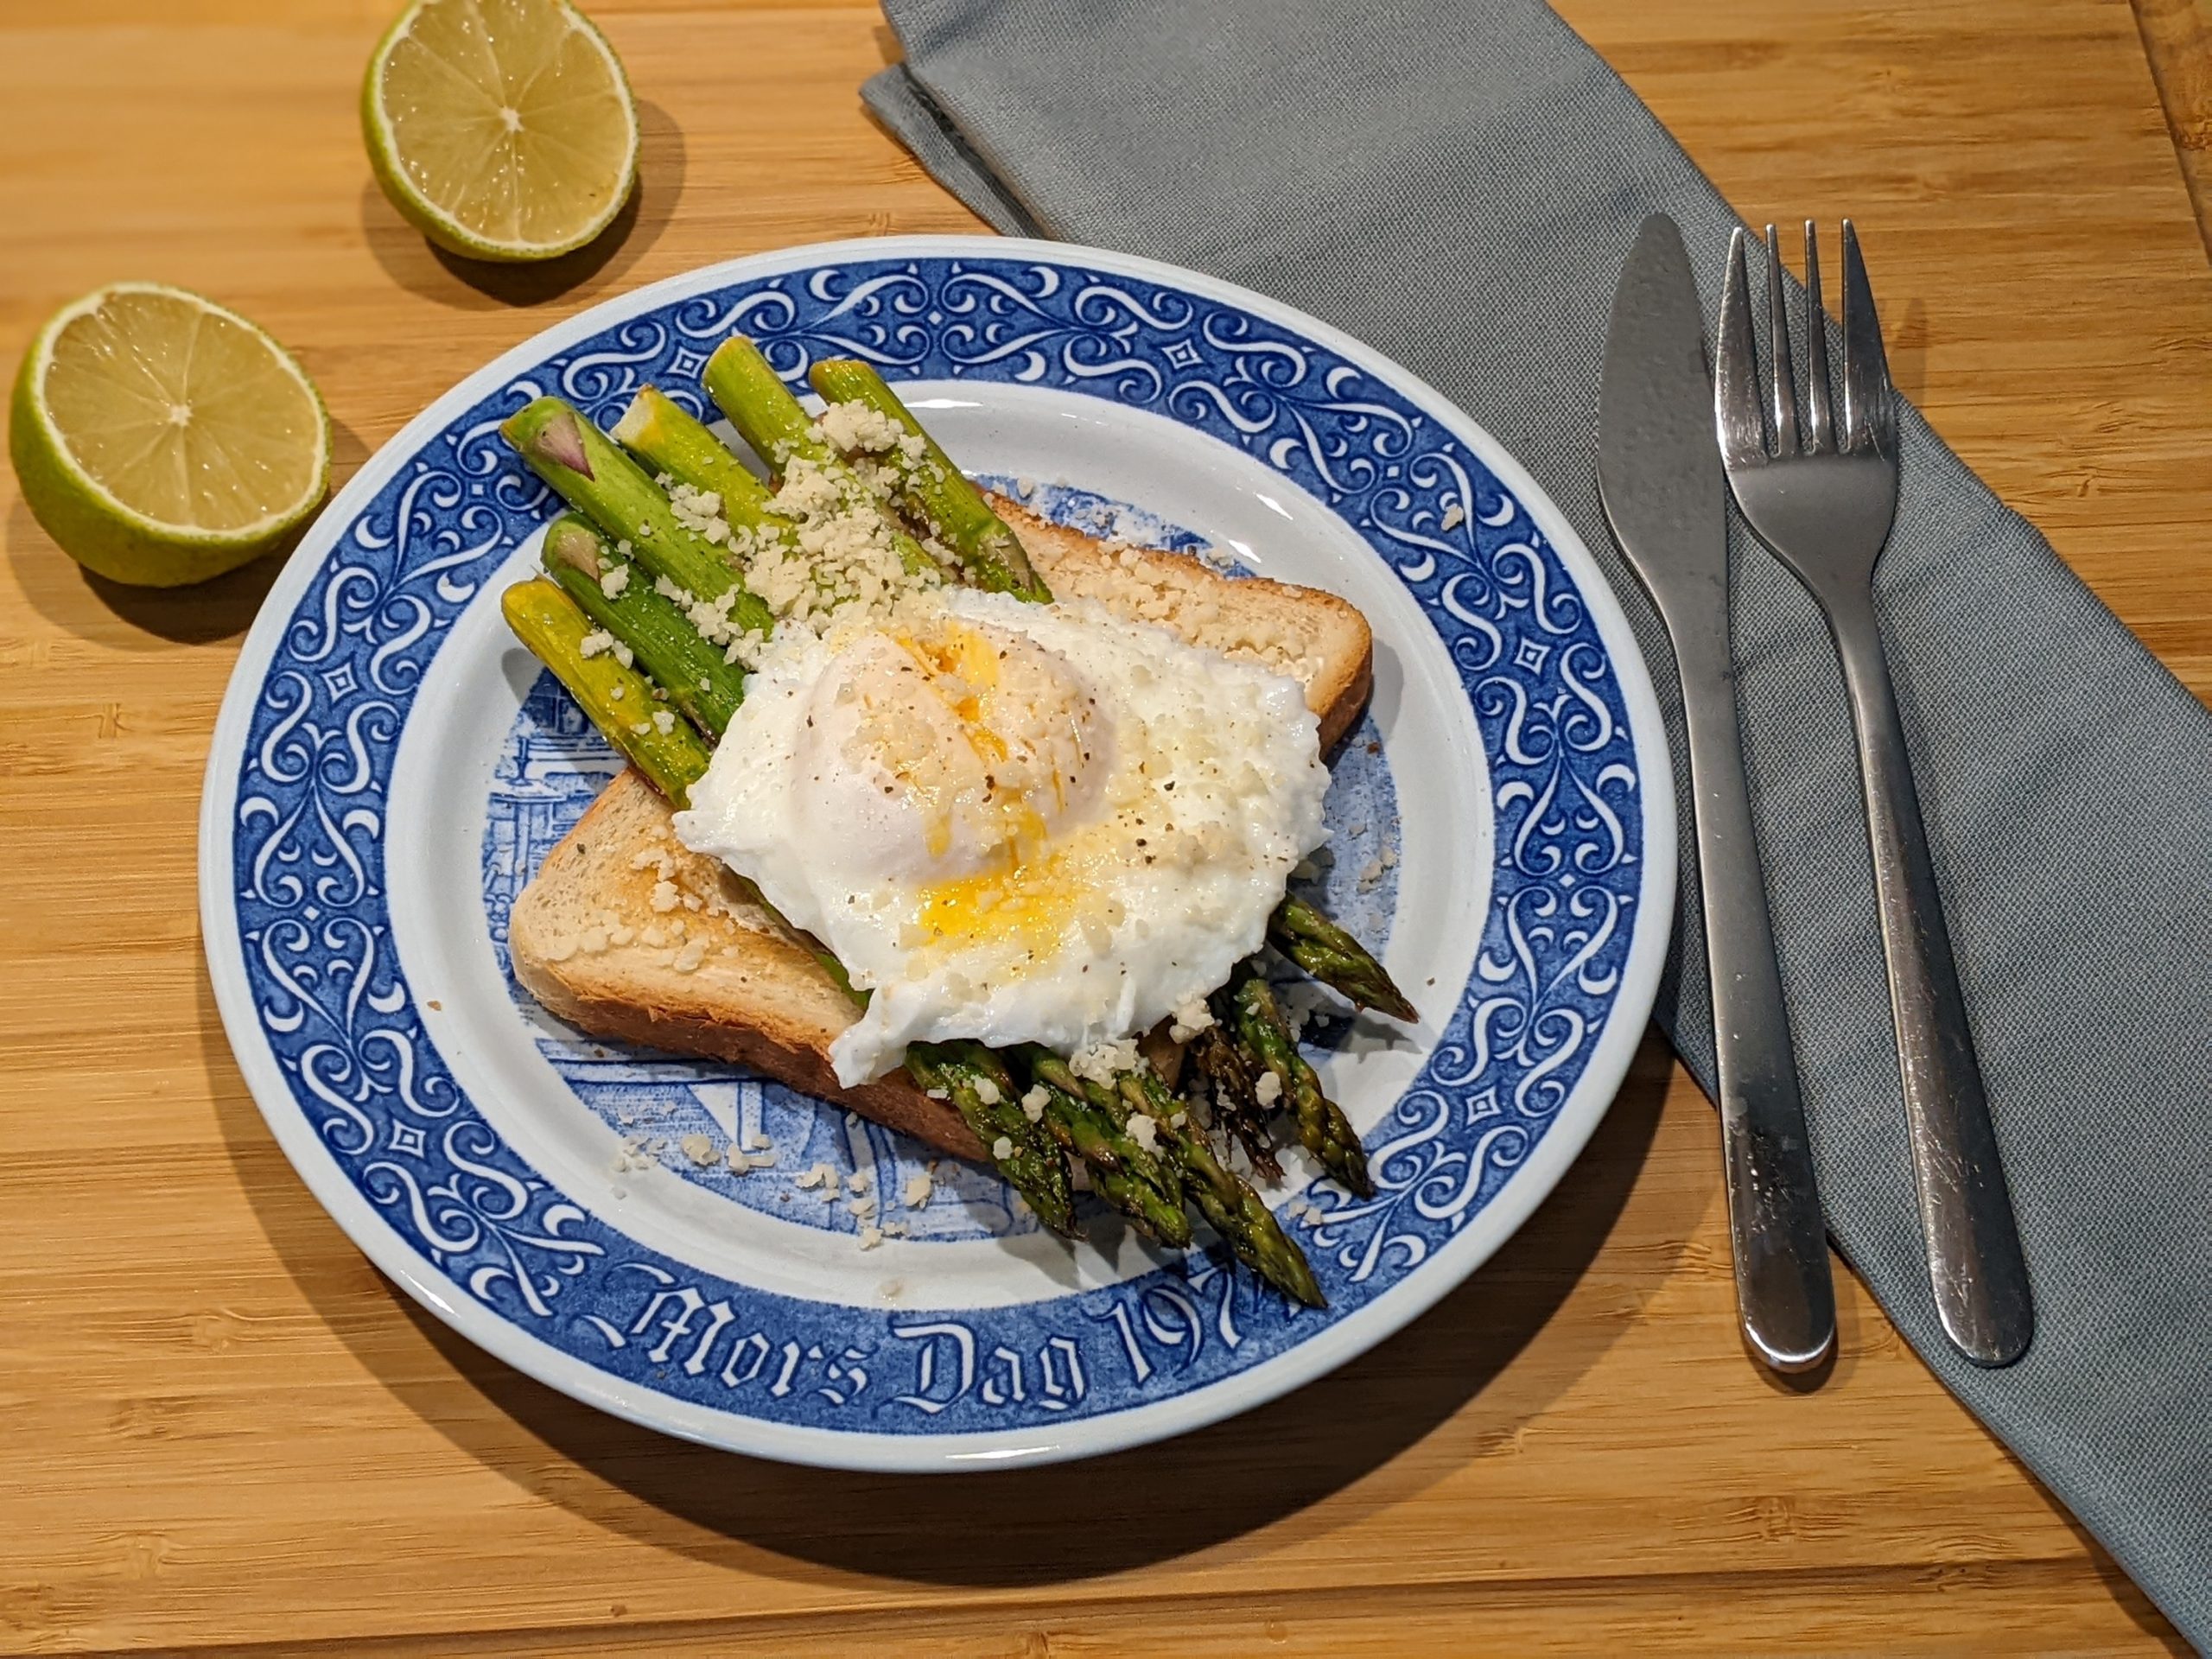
1736 367
1868 421
1785 379
1819 431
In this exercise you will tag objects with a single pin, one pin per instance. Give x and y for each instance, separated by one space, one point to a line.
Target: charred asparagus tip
1323 1128
1331 955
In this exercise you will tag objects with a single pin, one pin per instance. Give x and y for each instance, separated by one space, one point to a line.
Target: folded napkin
1457 184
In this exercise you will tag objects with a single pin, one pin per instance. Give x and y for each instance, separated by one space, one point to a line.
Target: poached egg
1012 822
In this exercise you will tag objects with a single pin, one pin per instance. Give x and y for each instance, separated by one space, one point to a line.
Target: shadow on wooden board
592 271
1021 1527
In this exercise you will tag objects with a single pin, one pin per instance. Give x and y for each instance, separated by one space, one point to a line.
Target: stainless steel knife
1659 474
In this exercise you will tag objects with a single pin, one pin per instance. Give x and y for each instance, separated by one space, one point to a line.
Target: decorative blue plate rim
1634 980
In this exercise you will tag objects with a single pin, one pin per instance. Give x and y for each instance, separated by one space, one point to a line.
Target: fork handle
1785 1295
1974 1262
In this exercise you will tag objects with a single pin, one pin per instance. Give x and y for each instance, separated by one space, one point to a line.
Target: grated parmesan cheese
857 428
1103 1062
1190 1019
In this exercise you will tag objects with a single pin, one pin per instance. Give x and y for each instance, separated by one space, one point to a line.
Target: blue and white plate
389 766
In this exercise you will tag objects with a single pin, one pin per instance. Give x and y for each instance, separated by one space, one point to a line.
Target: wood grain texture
2177 41
225 1432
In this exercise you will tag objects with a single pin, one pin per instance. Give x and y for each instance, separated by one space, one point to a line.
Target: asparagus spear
747 389
1229 1205
593 476
668 439
983 1091
1333 957
618 698
697 679
1323 1128
1235 1073
1131 1178
1236 1212
658 431
932 491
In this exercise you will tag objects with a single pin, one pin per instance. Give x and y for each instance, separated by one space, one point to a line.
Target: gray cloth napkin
1457 184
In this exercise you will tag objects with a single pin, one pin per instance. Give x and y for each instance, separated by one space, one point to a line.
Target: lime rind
108 535
433 222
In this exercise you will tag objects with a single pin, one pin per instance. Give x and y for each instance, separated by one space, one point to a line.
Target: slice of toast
626 934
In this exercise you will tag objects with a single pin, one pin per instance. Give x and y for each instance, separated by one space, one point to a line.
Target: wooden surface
2177 41
222 1429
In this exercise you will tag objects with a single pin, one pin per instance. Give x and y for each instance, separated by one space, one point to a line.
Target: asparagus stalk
592 474
618 698
983 1091
1333 957
659 432
1134 1181
747 388
669 441
1235 1072
1322 1129
697 678
1229 1205
1235 1210
932 491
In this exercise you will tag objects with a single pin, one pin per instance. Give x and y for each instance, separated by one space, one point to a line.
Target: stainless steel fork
1822 497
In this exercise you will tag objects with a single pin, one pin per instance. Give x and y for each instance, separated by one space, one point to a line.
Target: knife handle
1783 1292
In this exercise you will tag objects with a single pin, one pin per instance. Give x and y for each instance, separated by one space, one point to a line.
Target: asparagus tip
1389 999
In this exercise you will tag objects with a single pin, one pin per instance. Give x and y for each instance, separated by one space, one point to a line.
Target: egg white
1012 822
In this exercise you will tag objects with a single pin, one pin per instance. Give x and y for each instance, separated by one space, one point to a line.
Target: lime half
161 439
501 129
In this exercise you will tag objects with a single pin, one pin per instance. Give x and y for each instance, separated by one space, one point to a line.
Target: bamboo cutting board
223 1431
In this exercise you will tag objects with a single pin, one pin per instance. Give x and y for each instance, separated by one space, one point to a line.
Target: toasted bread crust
593 935
754 996
1320 638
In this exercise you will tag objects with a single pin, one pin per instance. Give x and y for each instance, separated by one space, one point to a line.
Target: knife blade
1659 475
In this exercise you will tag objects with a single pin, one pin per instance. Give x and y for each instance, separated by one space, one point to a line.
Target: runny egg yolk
1017 715
1028 903
1025 720
986 747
